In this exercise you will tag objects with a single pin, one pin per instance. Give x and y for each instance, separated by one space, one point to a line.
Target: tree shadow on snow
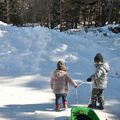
33 81
63 118
28 111
37 84
114 110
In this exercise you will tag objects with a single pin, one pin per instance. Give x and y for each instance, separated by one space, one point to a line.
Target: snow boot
93 102
100 106
65 104
92 105
57 108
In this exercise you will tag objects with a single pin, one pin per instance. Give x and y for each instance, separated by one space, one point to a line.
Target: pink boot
57 107
65 104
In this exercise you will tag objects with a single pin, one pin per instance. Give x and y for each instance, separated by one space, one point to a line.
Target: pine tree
15 13
55 13
2 11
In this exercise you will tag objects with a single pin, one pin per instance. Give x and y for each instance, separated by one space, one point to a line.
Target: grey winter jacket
100 77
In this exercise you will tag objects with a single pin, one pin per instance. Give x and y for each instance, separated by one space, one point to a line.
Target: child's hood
59 73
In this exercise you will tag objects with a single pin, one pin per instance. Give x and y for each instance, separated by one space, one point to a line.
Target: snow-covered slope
28 56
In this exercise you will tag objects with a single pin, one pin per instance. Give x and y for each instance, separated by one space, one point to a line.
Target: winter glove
89 79
76 86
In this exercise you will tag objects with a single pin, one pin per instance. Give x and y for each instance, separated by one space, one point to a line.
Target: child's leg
100 96
100 99
64 100
93 98
57 101
94 95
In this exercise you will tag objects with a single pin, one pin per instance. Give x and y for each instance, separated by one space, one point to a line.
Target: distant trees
3 11
63 13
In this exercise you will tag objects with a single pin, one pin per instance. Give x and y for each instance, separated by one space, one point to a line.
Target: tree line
65 14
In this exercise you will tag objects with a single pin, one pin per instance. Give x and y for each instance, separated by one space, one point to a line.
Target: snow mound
30 55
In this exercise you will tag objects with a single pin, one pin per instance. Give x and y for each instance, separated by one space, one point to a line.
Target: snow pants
58 98
97 95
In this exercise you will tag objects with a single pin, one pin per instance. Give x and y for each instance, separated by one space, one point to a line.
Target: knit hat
98 58
61 66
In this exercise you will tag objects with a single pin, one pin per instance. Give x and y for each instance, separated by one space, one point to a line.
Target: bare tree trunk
61 15
110 11
8 10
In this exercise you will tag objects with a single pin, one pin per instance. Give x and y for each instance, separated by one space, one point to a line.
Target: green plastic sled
83 113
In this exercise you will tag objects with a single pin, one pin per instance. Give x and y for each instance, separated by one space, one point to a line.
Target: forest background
62 14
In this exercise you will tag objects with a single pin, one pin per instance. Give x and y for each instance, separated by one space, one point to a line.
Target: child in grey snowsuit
99 82
59 84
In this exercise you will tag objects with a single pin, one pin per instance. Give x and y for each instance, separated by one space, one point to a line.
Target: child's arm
99 72
51 83
97 76
69 80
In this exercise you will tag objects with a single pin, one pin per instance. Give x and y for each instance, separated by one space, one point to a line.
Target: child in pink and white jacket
59 84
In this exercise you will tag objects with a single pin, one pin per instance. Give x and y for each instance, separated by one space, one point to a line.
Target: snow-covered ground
29 55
